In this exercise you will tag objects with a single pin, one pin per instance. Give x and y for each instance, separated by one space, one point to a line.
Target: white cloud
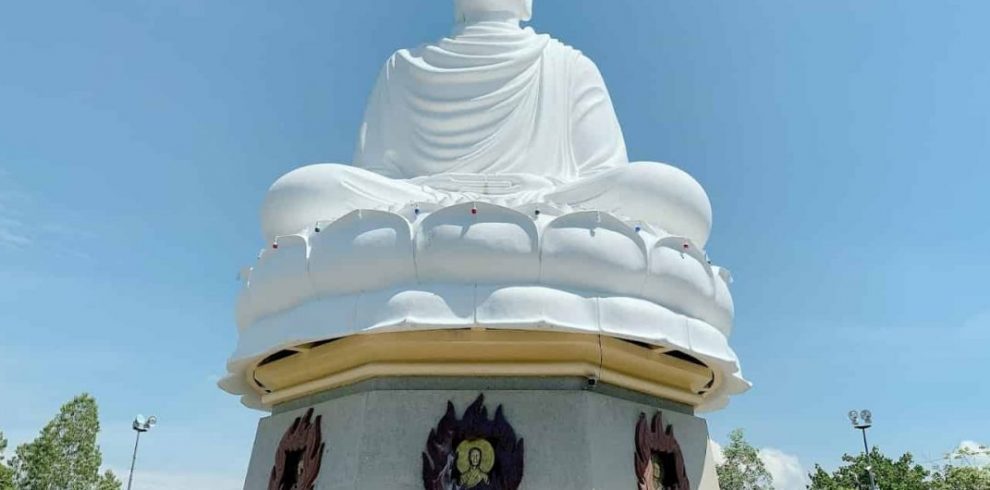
165 480
10 236
786 469
788 474
13 232
978 454
717 452
23 224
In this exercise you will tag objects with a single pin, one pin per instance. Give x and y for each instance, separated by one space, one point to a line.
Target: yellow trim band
489 353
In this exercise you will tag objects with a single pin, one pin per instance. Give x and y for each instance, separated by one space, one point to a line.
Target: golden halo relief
484 463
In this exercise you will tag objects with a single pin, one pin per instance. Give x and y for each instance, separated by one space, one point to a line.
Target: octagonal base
576 435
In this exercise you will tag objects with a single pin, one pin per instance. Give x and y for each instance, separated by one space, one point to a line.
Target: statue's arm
371 152
596 137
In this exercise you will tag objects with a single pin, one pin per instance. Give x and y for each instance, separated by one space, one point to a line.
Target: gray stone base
577 436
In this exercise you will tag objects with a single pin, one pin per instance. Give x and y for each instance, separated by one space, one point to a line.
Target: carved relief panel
299 455
658 461
473 452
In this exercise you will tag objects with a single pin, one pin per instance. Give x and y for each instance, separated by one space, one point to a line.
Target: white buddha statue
496 113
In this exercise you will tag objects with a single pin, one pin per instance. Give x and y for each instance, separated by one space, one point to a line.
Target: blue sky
845 146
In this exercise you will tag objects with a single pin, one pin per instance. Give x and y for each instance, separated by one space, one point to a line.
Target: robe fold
493 113
493 98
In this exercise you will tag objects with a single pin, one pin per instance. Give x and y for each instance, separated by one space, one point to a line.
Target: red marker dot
274 245
474 210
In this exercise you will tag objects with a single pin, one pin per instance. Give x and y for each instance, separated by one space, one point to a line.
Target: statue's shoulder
577 62
559 47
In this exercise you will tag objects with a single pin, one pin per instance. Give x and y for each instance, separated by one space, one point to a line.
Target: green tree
65 455
108 481
742 468
961 478
902 474
962 471
6 472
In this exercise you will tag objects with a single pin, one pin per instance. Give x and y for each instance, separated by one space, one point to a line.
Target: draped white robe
493 98
494 113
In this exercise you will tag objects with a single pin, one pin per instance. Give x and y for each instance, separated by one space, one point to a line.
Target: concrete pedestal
577 435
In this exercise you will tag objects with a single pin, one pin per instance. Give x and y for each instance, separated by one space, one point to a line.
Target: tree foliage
901 474
742 468
108 481
65 455
962 472
961 478
6 472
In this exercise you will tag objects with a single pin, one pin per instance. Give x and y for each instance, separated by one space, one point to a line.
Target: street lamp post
863 420
140 425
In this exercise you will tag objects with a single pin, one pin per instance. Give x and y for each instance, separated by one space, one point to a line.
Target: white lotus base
480 265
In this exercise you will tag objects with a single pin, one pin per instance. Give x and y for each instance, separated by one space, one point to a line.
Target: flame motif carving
299 455
440 459
656 447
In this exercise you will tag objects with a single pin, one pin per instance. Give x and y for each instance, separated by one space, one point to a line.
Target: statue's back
493 98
